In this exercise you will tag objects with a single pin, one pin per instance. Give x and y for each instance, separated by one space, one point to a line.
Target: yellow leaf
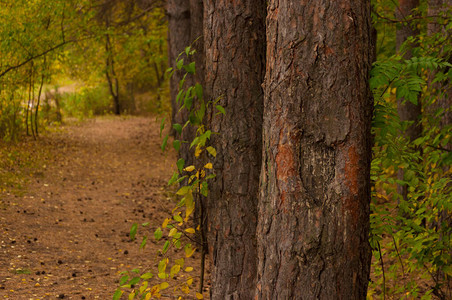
190 281
212 151
165 223
183 190
164 285
174 270
190 230
132 296
188 269
172 232
189 168
208 166
199 296
198 151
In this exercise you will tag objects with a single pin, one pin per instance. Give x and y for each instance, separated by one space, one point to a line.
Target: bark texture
234 33
179 37
315 180
407 111
436 8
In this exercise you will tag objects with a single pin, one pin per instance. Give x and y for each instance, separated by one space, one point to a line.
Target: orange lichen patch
285 162
285 168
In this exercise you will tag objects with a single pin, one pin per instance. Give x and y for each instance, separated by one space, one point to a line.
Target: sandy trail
67 237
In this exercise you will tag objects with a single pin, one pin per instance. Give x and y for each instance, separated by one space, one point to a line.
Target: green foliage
193 185
87 102
42 41
410 236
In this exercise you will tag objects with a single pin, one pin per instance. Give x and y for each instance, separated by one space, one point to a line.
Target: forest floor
65 233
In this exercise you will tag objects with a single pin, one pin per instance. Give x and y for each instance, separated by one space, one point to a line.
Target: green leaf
117 295
221 109
199 91
178 218
166 246
176 145
190 68
179 97
173 178
180 164
187 50
158 234
180 63
165 141
123 280
134 280
143 242
147 276
178 128
162 126
133 231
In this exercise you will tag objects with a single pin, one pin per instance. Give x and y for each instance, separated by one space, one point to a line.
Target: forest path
67 236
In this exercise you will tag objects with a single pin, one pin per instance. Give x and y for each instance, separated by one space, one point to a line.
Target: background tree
234 35
409 111
315 185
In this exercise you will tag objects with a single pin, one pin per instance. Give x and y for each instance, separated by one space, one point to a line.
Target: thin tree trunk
39 101
196 21
178 38
407 110
234 35
315 182
110 73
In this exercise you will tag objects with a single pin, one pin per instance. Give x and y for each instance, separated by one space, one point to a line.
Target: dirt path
67 237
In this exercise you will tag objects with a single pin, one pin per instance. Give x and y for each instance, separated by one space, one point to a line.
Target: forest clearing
202 149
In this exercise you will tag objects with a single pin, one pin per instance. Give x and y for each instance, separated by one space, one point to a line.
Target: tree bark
179 29
234 33
435 8
407 110
315 182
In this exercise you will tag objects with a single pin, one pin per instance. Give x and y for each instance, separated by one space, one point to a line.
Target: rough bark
443 101
407 110
196 30
178 12
197 17
435 8
234 33
315 180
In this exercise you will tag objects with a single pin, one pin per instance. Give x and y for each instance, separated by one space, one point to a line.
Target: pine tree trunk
234 33
407 110
315 183
435 8
178 12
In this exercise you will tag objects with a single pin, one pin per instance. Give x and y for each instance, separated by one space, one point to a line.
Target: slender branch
439 148
10 68
383 269
405 20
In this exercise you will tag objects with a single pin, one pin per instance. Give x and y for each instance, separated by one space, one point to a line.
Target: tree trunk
435 8
407 111
196 17
178 38
234 34
443 90
315 182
